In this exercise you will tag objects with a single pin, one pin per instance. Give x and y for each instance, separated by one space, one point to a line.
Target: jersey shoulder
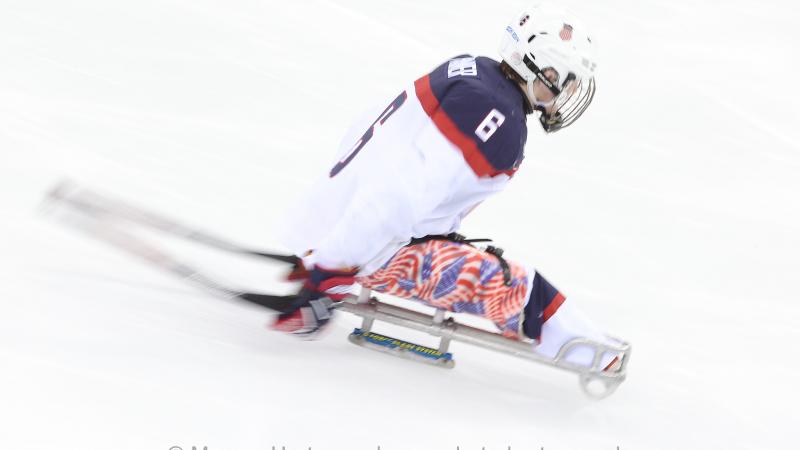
478 110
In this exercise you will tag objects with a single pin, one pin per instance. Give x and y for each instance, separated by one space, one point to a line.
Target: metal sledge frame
448 330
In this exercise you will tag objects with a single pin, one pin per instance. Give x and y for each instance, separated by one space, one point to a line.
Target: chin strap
531 97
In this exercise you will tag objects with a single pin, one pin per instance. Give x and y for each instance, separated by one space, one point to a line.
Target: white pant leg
568 323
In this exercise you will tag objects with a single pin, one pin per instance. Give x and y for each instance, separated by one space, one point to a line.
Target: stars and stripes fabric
458 278
566 33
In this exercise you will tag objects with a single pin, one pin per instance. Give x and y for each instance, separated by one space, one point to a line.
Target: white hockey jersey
413 168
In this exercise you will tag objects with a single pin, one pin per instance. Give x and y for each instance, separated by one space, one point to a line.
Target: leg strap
461 239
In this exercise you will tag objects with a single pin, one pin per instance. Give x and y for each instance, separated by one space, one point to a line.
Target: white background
669 212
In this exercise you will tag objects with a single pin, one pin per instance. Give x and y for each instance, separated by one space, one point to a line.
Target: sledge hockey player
416 166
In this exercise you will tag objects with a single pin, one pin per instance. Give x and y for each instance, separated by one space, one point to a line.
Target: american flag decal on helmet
566 32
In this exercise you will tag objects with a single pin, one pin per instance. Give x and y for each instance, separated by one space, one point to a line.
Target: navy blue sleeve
469 105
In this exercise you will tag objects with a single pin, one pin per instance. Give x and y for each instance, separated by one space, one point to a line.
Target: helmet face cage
571 97
575 97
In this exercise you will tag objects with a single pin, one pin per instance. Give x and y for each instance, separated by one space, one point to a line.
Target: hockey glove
313 306
298 272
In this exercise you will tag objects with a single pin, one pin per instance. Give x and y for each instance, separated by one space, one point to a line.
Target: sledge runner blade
401 348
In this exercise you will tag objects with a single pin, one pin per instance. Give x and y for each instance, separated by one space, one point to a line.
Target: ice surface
670 212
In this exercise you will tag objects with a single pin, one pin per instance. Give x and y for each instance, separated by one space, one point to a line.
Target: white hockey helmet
545 37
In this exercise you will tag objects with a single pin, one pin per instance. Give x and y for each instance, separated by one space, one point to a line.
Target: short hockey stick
94 204
130 244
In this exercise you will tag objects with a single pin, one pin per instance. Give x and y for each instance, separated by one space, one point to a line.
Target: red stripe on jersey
448 128
553 307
